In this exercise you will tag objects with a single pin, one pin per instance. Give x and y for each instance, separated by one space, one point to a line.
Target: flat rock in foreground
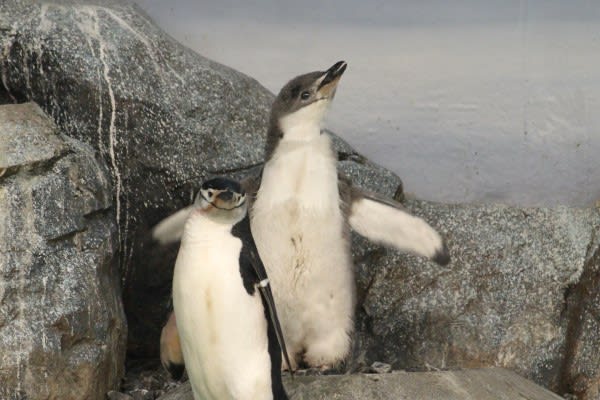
475 384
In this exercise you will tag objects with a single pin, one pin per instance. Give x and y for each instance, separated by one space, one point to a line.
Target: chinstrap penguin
301 219
231 339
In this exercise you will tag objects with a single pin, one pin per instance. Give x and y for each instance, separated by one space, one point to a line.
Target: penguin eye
210 193
305 95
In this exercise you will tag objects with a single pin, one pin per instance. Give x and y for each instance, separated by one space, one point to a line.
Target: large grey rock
520 293
62 326
162 117
483 384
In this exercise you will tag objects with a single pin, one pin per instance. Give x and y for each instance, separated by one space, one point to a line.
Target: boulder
62 325
522 292
479 384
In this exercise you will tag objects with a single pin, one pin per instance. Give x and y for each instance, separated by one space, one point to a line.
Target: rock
112 395
162 117
61 315
580 374
520 293
482 384
142 394
380 368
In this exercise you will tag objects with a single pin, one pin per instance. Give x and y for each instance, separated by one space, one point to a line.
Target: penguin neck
199 227
302 126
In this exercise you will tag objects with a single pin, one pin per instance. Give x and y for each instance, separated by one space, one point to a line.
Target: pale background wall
476 101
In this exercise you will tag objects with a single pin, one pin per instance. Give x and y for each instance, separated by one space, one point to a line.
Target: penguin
230 335
301 216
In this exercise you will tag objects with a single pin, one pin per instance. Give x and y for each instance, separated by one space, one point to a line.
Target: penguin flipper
264 287
387 222
170 229
256 276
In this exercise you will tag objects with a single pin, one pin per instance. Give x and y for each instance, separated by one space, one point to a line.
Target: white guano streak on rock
96 25
90 26
88 23
45 23
26 74
124 261
44 299
151 49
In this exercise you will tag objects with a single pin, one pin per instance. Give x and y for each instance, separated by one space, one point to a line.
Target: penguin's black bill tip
338 68
442 257
334 73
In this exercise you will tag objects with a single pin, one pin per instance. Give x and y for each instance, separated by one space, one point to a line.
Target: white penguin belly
298 228
223 329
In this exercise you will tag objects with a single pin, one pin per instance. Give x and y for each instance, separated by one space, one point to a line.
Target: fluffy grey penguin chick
301 219
230 335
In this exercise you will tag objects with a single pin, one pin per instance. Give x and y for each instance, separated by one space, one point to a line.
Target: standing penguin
301 220
226 318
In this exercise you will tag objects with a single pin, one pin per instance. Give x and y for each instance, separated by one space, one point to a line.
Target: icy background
467 101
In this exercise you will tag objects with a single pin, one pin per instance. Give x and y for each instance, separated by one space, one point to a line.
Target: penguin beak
330 79
228 200
226 195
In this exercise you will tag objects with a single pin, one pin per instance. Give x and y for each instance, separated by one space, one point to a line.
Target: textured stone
27 142
62 326
483 384
162 117
503 301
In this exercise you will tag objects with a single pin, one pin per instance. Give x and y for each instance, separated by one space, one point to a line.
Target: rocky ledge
477 384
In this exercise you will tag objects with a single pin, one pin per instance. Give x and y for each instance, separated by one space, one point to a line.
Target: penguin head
222 200
304 100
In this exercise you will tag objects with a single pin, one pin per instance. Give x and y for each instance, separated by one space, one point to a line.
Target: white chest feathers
303 172
223 329
299 231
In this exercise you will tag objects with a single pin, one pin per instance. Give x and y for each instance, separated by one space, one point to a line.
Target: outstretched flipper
387 222
170 229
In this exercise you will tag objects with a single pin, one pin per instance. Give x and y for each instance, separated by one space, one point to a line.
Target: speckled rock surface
482 384
520 293
162 117
62 326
